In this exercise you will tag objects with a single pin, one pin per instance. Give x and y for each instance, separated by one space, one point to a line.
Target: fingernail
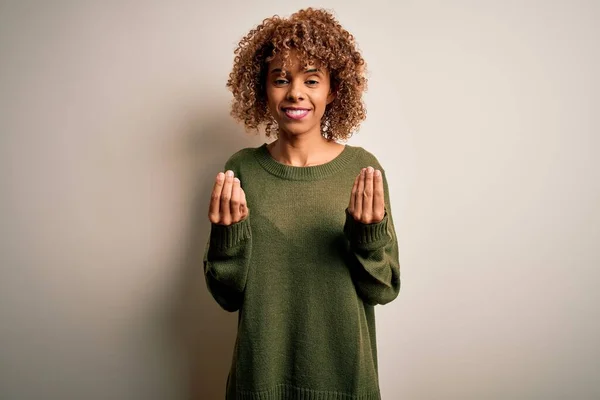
236 180
229 173
220 176
370 170
377 172
362 171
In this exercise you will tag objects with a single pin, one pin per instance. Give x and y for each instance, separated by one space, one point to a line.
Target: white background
114 121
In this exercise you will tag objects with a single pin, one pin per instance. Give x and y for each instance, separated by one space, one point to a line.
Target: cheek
273 96
271 100
321 99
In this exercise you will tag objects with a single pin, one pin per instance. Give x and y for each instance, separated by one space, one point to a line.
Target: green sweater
304 276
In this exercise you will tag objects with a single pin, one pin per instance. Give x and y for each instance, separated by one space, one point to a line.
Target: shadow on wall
205 333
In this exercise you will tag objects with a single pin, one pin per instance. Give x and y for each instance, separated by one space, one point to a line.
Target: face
297 97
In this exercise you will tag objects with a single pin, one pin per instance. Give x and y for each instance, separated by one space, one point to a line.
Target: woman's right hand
227 201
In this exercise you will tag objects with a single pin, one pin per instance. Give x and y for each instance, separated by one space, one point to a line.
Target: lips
296 113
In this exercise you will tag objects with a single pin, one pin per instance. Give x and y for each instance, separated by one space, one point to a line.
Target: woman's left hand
367 200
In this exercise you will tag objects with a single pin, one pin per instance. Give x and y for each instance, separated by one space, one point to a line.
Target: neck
302 151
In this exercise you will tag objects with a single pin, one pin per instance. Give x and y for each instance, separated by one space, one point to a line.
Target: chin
293 132
296 129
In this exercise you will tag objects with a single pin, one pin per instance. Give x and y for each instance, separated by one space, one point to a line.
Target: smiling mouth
296 113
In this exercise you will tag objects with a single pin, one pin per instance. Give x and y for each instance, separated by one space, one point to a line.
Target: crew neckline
313 172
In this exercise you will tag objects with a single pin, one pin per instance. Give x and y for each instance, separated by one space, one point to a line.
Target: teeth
296 112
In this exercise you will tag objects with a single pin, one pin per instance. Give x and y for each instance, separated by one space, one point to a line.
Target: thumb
243 204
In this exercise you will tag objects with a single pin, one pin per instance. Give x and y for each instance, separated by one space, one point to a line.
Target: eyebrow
308 71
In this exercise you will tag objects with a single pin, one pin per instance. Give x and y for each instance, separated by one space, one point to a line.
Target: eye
312 82
280 82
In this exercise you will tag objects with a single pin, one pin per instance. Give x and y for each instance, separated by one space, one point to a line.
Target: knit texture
304 277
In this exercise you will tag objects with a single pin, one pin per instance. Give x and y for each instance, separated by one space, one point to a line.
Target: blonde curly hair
316 37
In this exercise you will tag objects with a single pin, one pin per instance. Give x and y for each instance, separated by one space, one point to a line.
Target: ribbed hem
366 235
314 172
289 392
224 237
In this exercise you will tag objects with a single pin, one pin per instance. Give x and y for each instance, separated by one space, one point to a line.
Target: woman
307 248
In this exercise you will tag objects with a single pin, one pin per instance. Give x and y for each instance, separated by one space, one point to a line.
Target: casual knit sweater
305 277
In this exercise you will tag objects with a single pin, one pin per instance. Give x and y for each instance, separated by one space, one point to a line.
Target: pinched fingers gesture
227 201
367 203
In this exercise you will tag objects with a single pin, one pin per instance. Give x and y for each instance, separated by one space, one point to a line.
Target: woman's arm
226 262
228 251
373 245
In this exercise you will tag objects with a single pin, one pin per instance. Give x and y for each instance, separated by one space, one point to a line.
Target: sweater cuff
228 236
368 236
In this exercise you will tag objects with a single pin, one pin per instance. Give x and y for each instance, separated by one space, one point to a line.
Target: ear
331 96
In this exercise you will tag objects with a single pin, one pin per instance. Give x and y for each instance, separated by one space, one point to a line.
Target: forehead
293 61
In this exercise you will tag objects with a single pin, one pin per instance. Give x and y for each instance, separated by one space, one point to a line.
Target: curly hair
316 37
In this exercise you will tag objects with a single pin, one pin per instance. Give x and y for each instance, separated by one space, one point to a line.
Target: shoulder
242 157
364 157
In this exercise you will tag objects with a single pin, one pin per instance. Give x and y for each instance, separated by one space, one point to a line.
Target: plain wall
114 121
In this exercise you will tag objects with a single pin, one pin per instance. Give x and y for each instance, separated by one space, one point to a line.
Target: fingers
352 204
367 205
215 199
378 197
367 201
243 206
358 198
234 204
228 200
225 210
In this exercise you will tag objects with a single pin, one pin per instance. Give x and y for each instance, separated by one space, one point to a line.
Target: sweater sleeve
227 259
226 262
373 249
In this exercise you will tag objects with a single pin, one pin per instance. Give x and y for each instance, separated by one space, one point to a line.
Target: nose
295 91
